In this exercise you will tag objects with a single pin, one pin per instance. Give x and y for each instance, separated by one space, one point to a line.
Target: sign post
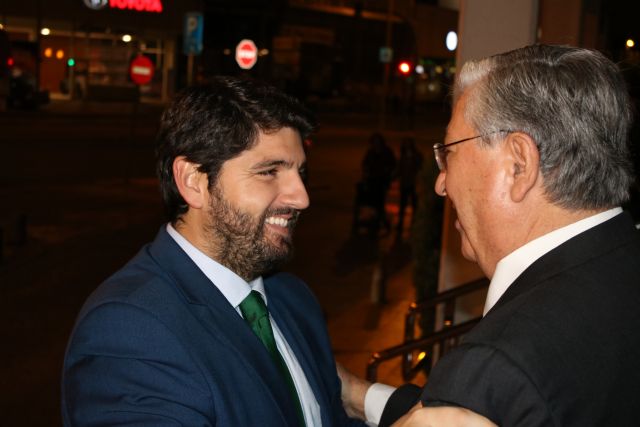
246 54
141 71
192 43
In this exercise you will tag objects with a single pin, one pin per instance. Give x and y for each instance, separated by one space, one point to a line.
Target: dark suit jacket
157 344
562 345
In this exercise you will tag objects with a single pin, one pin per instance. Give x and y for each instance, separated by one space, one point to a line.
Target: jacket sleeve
400 402
124 367
487 381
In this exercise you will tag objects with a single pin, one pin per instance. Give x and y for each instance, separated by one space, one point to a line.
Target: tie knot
253 307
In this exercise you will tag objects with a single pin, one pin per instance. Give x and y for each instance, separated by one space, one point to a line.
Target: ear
525 166
192 184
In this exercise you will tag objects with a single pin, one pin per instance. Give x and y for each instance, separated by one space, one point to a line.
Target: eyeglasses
440 149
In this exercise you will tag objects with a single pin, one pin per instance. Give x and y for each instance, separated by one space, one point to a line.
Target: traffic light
404 67
71 62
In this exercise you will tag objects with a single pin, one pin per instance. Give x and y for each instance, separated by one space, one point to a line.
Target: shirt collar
234 288
510 267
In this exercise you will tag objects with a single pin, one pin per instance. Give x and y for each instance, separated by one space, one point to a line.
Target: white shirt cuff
375 401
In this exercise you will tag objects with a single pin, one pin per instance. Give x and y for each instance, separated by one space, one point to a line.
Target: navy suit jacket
157 344
561 346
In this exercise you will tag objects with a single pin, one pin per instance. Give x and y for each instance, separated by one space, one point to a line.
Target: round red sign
246 54
141 70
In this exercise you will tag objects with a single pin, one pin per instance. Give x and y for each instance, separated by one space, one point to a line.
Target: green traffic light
71 62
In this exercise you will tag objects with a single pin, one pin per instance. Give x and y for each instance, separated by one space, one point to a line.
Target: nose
440 187
295 192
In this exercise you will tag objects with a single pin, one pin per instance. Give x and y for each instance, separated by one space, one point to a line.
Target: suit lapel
288 324
588 245
221 320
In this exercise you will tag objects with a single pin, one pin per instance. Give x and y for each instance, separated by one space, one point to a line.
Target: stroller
368 207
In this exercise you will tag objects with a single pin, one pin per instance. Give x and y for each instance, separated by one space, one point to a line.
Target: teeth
277 221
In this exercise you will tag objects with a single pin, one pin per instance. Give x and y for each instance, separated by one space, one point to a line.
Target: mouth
278 221
282 222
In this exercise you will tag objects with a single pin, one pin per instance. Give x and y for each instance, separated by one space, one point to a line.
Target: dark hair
215 122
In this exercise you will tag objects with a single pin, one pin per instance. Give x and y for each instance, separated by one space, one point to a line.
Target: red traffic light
404 67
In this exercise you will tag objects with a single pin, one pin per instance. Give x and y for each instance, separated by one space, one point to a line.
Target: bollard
378 284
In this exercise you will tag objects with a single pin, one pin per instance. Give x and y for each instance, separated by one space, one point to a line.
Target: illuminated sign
137 5
96 4
141 70
246 54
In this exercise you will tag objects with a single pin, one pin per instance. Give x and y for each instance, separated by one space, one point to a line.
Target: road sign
386 54
246 54
141 70
193 30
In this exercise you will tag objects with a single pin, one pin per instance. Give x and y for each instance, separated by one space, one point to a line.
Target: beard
239 241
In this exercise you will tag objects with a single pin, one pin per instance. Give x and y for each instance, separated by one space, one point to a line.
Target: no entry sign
246 54
141 70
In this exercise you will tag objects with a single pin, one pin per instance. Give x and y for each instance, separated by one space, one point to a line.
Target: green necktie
255 313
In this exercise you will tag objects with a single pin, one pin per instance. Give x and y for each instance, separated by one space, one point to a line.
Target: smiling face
474 181
255 203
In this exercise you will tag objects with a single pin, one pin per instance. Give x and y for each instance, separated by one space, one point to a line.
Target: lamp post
385 78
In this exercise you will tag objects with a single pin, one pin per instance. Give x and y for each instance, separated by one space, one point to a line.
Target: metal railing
447 338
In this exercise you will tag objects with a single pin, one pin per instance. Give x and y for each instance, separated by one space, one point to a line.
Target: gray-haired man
536 164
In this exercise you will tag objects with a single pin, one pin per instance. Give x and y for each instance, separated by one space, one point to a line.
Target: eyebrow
272 163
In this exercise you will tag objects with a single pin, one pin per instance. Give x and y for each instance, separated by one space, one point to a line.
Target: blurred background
82 87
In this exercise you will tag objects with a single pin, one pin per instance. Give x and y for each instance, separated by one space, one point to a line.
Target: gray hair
573 102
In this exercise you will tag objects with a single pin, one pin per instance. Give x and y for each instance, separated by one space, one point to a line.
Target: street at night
472 212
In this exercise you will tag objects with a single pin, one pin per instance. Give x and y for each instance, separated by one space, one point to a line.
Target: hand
353 392
442 416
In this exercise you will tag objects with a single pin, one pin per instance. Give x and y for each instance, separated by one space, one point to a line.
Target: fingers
353 392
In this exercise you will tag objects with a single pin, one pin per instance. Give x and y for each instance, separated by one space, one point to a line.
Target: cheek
252 199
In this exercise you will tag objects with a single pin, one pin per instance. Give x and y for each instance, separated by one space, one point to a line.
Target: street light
451 41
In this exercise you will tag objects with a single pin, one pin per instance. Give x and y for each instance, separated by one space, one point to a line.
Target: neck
554 218
534 223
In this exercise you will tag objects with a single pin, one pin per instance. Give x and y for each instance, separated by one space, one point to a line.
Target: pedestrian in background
409 165
378 166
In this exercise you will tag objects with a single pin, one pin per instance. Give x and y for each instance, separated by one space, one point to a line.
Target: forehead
458 126
282 145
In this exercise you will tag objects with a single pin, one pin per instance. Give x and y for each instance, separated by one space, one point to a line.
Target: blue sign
386 54
193 29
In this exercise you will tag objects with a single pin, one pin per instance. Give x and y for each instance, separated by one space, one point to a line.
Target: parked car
18 62
23 90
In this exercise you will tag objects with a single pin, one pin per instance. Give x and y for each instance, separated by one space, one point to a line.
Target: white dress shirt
507 271
235 290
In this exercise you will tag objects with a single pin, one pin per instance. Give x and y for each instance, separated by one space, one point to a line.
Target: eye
268 172
303 174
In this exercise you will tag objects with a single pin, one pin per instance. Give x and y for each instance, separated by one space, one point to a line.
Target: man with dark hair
536 163
181 335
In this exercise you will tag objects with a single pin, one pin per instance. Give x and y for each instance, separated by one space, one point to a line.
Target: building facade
84 48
